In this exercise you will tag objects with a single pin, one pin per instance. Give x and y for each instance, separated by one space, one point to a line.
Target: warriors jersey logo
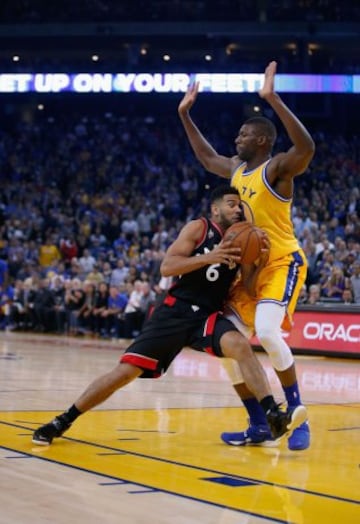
248 214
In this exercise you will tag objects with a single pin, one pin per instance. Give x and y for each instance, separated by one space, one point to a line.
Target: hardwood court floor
152 453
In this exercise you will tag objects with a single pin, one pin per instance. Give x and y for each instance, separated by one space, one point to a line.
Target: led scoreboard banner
172 83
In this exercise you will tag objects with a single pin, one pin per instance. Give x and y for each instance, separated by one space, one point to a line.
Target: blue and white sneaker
253 436
300 438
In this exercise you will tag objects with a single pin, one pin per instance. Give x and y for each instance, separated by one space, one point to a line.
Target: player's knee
281 358
267 336
279 352
233 371
234 345
123 374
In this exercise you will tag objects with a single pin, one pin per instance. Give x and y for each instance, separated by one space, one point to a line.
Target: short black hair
265 127
221 191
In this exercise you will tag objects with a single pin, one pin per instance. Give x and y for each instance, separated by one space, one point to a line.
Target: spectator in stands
43 307
98 238
147 302
347 297
59 309
85 226
130 227
74 270
311 222
48 252
303 295
4 273
335 230
353 246
74 300
5 308
134 273
146 219
314 294
324 245
355 282
352 228
111 228
87 261
84 314
119 273
95 275
111 257
312 258
348 262
160 238
15 256
341 251
31 251
112 314
161 288
106 270
132 314
121 245
68 249
325 265
335 284
101 302
17 308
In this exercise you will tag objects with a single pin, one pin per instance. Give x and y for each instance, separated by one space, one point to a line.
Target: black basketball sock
71 414
268 404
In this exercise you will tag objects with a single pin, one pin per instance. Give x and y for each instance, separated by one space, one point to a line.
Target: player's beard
225 222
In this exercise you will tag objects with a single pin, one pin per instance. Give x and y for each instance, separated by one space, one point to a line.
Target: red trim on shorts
169 300
210 324
139 361
209 330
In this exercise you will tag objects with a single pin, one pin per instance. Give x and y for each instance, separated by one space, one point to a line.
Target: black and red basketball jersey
208 286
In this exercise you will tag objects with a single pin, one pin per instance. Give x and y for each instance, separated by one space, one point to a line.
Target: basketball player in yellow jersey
265 183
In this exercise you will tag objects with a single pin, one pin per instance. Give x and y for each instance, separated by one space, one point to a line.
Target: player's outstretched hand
189 98
269 79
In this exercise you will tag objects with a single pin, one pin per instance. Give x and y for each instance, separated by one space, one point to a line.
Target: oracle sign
328 332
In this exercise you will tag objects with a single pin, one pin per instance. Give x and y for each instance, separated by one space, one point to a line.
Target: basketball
248 237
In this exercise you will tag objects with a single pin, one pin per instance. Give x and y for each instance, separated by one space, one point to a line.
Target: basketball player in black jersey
190 316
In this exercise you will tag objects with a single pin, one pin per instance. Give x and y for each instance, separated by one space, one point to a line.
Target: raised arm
178 259
204 152
296 160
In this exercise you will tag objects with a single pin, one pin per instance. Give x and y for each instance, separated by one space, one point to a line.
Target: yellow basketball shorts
279 282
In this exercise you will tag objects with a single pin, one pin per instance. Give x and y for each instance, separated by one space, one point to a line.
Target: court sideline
152 452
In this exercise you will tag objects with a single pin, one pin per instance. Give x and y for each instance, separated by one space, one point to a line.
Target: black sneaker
44 435
283 423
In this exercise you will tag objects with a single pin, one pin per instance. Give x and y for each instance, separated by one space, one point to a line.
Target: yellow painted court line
169 463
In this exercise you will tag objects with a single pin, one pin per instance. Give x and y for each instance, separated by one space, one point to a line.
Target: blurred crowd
88 206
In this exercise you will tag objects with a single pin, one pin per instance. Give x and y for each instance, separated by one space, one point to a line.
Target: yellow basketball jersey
266 209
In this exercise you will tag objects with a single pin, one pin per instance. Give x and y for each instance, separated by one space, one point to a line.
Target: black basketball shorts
173 326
